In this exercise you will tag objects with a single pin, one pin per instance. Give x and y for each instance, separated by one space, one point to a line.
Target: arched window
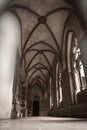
58 86
51 95
77 68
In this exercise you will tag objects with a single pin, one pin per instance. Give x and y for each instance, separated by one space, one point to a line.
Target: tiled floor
44 123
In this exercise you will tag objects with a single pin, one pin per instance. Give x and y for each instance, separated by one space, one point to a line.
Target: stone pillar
15 104
67 100
15 93
14 111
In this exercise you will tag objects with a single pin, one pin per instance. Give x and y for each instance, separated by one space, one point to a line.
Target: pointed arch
42 66
35 78
39 52
37 69
59 9
25 8
41 42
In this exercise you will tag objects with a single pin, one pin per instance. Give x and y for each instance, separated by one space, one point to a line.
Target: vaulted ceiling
42 25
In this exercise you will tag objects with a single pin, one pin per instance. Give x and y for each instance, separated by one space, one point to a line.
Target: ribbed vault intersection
41 41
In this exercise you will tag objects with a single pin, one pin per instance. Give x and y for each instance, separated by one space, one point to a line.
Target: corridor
43 65
44 123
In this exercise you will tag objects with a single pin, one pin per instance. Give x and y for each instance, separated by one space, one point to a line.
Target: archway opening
36 106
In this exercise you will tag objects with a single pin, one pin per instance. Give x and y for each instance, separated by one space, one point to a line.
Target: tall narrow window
58 86
78 69
57 91
51 94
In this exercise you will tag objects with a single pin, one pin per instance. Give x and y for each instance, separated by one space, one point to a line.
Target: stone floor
44 123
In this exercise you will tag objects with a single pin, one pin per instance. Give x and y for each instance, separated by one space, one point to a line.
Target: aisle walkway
44 123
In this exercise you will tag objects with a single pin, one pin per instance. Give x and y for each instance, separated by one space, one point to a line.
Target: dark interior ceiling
71 2
74 3
80 7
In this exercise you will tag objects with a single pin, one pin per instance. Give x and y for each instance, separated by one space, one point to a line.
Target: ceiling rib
41 67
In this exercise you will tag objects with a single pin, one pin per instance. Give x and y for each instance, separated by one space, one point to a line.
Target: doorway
36 105
35 108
